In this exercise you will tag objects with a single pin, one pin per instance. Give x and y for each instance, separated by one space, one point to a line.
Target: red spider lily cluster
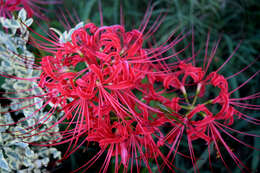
114 92
32 7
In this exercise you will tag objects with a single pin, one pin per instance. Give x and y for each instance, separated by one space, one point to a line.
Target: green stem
183 90
197 94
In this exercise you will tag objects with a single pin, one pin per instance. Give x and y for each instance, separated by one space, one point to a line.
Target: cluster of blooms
91 79
114 92
111 91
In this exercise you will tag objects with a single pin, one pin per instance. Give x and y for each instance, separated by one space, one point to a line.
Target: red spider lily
32 7
114 63
198 118
129 142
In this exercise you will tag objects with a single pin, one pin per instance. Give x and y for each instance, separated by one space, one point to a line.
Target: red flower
124 141
201 120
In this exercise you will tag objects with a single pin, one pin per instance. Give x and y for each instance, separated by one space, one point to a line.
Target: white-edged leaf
22 14
29 152
3 163
28 22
